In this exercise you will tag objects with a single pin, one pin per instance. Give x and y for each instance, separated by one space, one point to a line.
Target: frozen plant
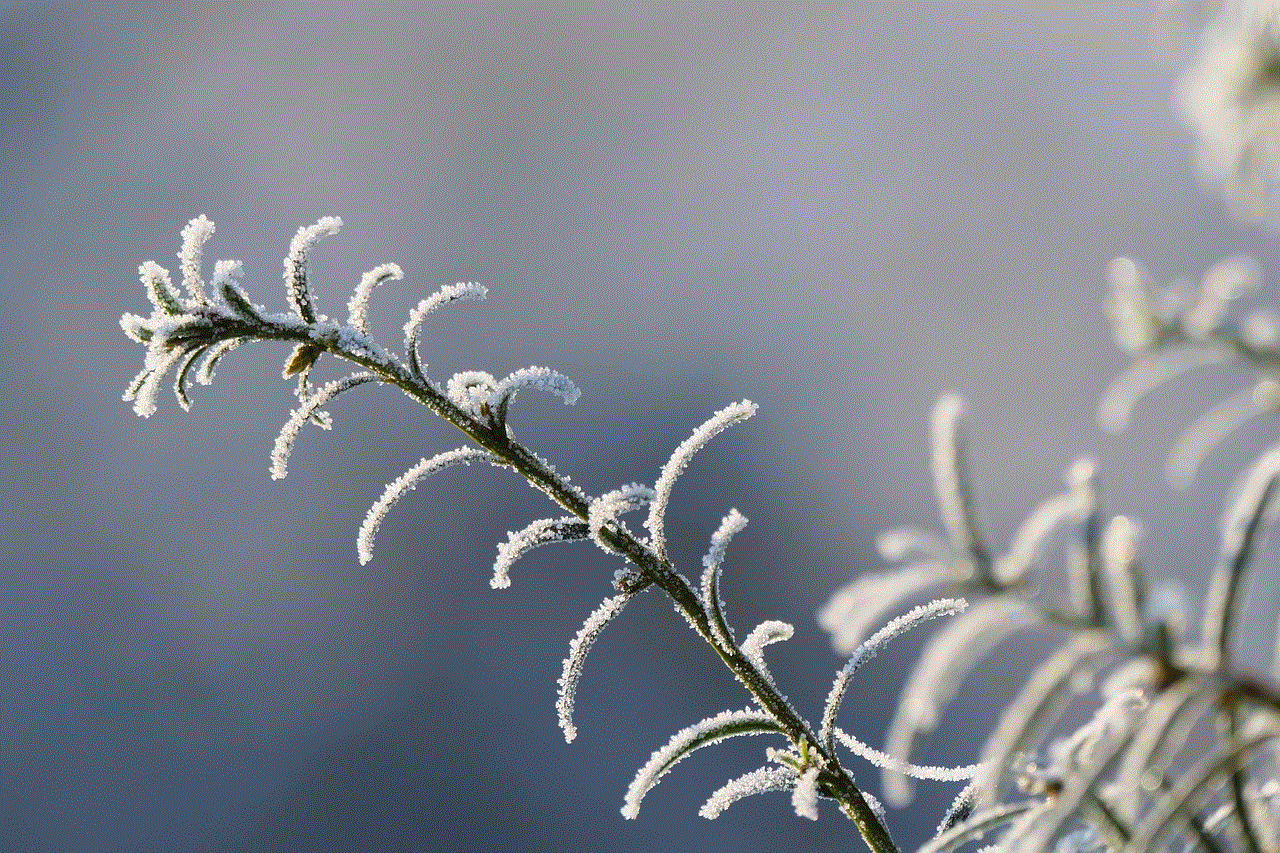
1230 96
1140 774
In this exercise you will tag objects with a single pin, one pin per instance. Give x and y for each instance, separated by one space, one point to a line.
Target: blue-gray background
837 211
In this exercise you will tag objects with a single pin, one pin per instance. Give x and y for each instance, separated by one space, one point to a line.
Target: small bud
304 355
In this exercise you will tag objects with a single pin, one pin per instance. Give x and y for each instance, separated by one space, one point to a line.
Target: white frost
872 646
804 797
755 782
450 293
542 378
703 733
605 509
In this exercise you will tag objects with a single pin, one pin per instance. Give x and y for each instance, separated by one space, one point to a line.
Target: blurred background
836 211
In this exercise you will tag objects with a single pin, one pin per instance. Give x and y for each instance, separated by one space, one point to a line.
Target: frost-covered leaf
756 782
717 423
1115 410
915 771
766 633
519 542
204 374
194 236
953 482
946 659
358 306
542 378
304 355
181 374
160 290
870 648
1125 584
859 606
470 390
578 649
146 385
729 525
1244 529
1081 762
295 264
605 510
407 481
979 823
413 328
289 432
723 725
237 300
1028 545
1209 430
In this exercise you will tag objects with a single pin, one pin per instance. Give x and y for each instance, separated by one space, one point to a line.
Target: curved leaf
1244 527
729 525
295 264
870 648
726 724
940 668
519 542
717 423
358 306
289 432
542 378
953 482
578 649
413 328
403 484
194 235
756 782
